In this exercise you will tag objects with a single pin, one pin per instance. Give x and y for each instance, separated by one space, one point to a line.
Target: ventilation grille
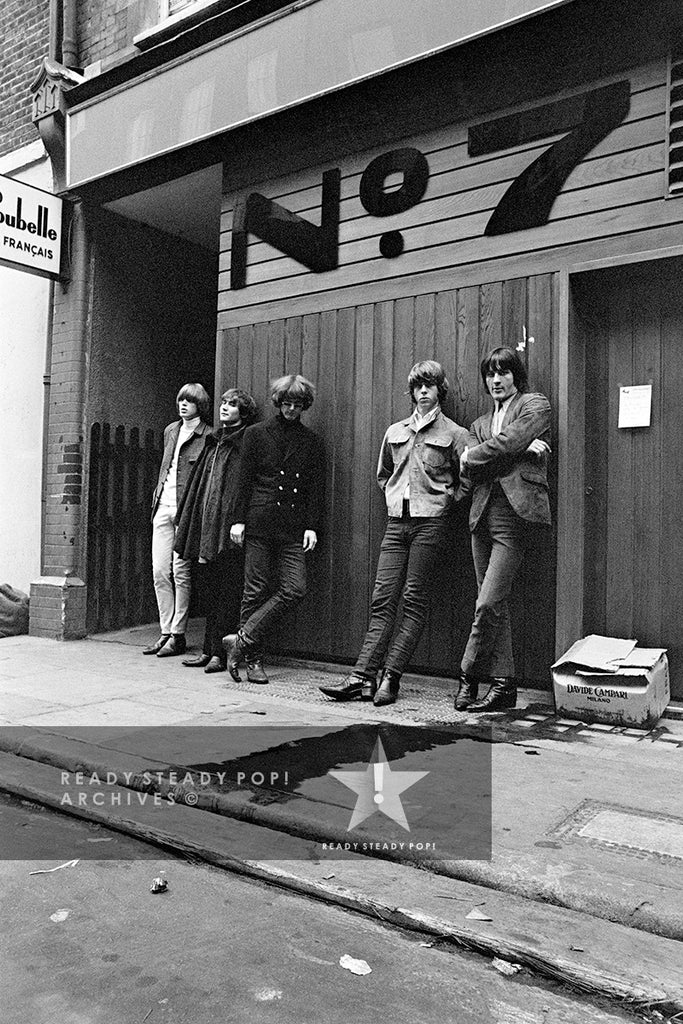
675 120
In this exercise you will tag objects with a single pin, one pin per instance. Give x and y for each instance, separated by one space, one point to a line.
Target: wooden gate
122 478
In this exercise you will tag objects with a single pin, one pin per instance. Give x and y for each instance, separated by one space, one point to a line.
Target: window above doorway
178 16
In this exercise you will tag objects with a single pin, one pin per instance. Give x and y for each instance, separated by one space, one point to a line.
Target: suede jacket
428 460
504 459
189 454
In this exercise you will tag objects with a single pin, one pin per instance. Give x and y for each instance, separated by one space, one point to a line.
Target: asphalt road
91 944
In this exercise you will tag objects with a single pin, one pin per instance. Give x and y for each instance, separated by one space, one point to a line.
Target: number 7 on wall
528 201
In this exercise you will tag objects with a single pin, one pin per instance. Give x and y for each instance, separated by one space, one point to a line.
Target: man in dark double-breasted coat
277 518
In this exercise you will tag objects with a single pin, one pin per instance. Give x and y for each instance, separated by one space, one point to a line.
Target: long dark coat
206 510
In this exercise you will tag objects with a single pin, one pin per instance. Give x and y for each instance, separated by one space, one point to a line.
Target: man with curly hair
277 519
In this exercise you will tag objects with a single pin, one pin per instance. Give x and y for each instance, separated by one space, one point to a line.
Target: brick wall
24 31
106 28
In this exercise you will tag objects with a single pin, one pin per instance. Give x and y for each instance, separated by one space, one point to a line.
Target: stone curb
76 756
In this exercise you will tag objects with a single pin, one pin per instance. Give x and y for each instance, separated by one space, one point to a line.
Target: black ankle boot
501 696
388 688
237 648
467 692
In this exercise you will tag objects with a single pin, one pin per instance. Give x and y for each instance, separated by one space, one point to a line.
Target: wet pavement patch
415 793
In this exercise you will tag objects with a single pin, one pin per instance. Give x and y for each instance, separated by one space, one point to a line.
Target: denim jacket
428 460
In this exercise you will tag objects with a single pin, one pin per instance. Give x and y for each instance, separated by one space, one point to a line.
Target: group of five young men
256 488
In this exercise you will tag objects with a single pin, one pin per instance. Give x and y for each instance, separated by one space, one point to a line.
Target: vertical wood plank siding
359 358
633 321
617 189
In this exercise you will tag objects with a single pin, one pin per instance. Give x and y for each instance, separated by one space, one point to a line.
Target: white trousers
172 574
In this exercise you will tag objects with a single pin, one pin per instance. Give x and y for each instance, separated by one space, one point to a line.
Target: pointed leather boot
199 662
388 689
351 689
175 645
216 663
255 670
156 647
501 696
467 692
234 654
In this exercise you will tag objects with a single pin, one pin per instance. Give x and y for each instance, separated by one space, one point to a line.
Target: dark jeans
498 547
220 587
408 558
266 562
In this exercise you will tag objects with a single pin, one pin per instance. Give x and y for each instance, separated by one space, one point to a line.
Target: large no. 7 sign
588 118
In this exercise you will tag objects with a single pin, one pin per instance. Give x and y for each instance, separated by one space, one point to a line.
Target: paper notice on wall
635 405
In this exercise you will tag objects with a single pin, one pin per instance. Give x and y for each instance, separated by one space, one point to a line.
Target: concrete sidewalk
584 879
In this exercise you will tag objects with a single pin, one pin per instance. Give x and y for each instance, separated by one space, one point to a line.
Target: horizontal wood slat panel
475 249
449 196
616 190
461 218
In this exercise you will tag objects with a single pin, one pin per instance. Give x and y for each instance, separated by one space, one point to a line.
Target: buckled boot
468 692
354 686
388 688
501 696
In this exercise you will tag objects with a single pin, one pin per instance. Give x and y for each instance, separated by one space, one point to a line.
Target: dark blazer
189 454
206 509
504 458
281 479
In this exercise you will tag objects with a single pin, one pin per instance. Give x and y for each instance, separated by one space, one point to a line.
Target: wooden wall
618 190
359 358
453 293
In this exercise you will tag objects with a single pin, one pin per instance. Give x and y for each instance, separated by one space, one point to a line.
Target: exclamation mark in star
379 781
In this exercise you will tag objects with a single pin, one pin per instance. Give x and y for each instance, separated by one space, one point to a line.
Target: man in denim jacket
418 470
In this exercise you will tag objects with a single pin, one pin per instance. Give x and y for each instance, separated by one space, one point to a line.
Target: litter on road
504 967
355 966
477 915
48 871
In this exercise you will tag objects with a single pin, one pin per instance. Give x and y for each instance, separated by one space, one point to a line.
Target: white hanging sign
30 227
635 406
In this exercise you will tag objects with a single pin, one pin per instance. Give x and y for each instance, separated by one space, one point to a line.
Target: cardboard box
605 679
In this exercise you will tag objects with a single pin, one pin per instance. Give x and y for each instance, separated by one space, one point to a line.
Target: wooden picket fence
123 475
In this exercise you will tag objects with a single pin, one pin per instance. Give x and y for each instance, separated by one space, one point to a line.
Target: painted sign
30 227
586 118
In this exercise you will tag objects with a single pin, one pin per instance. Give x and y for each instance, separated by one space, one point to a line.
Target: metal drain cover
637 831
626 829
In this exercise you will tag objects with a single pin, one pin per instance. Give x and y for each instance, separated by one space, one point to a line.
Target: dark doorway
632 319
